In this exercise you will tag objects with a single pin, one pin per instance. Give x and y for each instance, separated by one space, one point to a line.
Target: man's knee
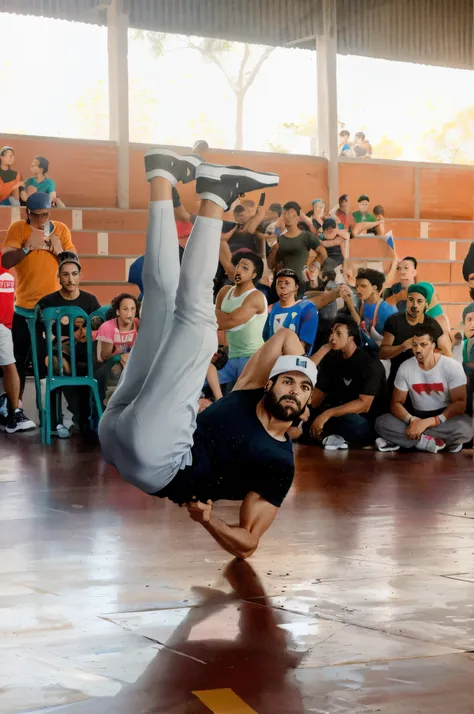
386 423
464 429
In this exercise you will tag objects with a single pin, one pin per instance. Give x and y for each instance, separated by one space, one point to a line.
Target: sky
181 96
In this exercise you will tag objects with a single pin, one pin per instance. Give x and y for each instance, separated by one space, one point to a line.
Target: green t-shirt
47 185
368 218
293 253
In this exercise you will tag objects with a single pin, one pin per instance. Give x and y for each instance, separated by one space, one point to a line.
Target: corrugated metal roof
438 32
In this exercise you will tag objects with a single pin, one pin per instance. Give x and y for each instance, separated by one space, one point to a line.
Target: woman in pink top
116 337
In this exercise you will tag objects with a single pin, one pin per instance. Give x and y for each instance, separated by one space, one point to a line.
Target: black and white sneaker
3 405
171 166
223 184
19 422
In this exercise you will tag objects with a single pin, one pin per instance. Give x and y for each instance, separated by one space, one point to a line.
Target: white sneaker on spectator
335 443
455 448
384 445
429 443
62 432
18 422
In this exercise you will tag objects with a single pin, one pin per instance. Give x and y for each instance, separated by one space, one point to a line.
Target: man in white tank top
241 311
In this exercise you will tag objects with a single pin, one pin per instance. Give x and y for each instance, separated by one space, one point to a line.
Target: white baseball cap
293 363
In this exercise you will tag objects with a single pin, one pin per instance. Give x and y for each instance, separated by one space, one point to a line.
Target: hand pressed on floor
200 512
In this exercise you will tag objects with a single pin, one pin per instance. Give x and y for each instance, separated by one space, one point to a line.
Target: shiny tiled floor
359 600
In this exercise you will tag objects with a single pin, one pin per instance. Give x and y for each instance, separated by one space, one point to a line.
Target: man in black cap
468 270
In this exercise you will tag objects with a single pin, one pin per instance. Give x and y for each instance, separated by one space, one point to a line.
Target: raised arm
257 370
392 272
225 259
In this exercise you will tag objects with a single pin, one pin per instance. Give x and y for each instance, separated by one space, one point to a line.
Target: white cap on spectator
293 363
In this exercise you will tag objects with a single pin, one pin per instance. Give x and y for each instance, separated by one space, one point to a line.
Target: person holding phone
31 247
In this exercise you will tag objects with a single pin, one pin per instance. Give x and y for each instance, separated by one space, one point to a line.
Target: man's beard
471 293
287 412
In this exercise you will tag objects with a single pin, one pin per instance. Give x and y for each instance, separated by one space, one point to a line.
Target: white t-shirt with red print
122 341
429 389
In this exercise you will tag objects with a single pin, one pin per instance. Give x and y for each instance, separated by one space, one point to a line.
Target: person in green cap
400 328
468 342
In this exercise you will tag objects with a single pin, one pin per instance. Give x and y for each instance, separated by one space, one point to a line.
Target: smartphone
262 199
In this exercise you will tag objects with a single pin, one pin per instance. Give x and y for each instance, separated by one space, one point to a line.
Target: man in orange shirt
32 247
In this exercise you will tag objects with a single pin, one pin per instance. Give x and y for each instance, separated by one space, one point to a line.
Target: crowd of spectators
381 342
359 148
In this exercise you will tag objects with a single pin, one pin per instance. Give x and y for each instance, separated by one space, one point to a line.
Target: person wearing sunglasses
31 247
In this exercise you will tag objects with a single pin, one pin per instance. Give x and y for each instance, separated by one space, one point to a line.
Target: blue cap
37 201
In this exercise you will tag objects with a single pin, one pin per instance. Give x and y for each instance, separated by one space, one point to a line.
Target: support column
117 45
326 49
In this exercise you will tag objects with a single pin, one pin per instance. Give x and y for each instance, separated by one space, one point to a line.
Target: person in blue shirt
373 310
39 181
300 316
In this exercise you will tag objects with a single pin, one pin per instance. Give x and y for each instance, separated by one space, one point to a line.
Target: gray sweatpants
148 426
458 430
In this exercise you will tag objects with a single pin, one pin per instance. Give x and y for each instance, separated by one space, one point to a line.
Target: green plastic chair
50 316
31 317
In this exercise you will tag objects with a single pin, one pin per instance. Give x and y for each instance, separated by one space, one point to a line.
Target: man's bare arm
256 516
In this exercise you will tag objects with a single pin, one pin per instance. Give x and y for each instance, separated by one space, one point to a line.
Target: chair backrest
53 316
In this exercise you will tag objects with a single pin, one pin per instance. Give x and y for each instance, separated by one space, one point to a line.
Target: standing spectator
400 329
349 393
317 214
342 214
406 276
10 180
295 249
373 311
12 418
345 149
300 316
362 147
39 181
437 388
32 247
241 311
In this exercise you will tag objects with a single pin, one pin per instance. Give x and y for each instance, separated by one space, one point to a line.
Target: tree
454 142
215 51
387 149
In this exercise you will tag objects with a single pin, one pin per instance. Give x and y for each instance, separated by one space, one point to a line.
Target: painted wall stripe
103 243
424 229
223 701
76 220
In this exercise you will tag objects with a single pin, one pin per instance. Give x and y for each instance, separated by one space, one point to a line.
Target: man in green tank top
241 311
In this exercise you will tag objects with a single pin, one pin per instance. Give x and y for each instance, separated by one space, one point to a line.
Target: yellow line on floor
223 701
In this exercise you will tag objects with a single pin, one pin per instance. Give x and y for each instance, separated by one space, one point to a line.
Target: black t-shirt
233 455
398 326
86 301
344 380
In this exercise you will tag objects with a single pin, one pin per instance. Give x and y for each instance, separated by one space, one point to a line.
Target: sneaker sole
388 450
336 448
14 431
457 450
213 172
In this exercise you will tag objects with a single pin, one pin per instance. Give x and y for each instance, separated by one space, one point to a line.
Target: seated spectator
362 147
115 339
270 222
350 391
12 418
10 180
300 316
342 214
379 214
396 294
241 311
345 148
401 327
436 386
32 247
69 295
40 182
373 311
364 219
333 239
295 249
325 299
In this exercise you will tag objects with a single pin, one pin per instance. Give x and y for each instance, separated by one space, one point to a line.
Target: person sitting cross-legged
301 316
350 390
436 386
